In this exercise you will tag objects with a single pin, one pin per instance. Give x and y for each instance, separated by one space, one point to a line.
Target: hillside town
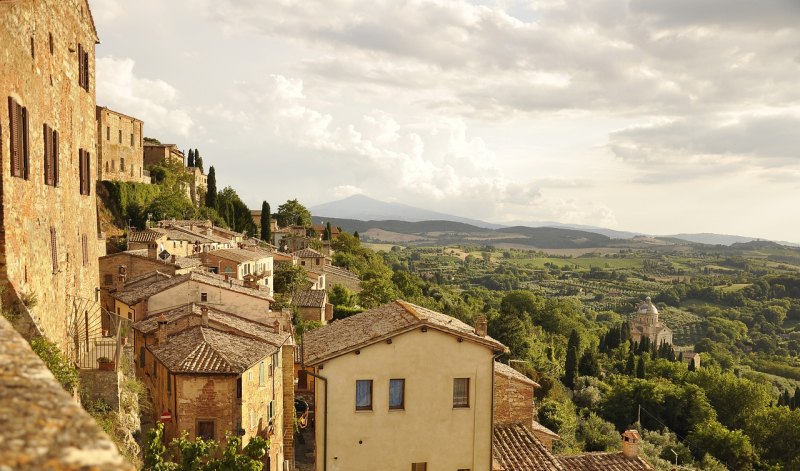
190 331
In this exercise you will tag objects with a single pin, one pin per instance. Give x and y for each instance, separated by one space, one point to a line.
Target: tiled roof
238 255
310 298
344 272
537 427
383 321
246 327
180 262
147 235
185 222
604 462
195 235
517 449
509 372
139 289
206 350
307 253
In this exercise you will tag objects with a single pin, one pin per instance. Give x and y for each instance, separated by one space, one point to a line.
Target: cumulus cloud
153 101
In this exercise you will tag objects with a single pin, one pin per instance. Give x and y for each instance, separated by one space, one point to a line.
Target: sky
655 116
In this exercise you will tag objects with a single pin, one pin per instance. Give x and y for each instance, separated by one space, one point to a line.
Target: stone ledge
41 426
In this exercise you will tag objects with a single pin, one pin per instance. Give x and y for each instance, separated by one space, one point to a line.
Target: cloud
153 101
105 11
344 191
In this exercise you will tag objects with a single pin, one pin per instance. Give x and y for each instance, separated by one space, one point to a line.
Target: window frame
402 404
213 423
367 407
457 400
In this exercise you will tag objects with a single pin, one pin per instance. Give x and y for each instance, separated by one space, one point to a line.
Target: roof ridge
213 348
411 309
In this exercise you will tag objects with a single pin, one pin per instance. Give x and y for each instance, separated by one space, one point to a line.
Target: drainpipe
325 431
491 414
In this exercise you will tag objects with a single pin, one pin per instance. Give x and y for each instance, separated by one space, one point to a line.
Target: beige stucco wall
256 398
226 300
429 429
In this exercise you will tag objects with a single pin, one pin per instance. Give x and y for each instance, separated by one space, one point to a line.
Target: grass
584 263
732 288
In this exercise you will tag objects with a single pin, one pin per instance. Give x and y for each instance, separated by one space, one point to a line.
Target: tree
198 161
571 367
640 368
289 279
376 291
732 447
355 234
211 190
597 434
328 231
630 364
589 365
292 212
266 230
190 158
509 330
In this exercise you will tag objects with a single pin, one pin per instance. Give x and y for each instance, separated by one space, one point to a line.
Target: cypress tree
198 161
571 367
355 234
796 400
328 231
630 365
588 365
680 357
265 227
190 159
211 191
640 370
692 366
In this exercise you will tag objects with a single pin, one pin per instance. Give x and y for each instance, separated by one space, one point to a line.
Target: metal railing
97 335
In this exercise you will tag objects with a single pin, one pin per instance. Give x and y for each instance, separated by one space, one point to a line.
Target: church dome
647 307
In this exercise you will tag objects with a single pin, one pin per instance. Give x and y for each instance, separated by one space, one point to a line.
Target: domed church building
646 324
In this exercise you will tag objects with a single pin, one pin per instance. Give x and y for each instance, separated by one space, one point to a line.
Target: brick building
313 305
48 216
120 147
217 373
155 153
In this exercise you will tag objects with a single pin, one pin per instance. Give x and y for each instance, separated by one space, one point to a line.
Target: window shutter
53 249
25 147
55 158
87 166
80 168
85 248
80 65
14 148
86 70
48 153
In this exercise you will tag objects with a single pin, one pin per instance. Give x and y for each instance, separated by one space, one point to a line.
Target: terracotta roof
246 327
185 222
509 372
207 350
138 290
180 262
310 298
239 255
384 321
537 427
344 272
604 462
147 235
307 253
517 449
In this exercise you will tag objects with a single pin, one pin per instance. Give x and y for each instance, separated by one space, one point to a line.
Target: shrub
61 367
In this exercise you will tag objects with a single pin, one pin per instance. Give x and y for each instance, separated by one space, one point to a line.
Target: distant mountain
725 239
614 234
364 208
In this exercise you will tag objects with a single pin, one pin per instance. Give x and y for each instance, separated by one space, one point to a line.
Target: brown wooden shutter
80 65
53 249
55 158
86 71
85 247
80 169
14 134
88 169
48 152
25 146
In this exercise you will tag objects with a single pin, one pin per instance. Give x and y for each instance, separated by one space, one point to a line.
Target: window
461 392
252 420
141 357
205 429
108 133
53 249
18 130
271 412
261 374
131 139
122 164
51 42
84 169
203 297
85 249
83 68
33 48
397 393
239 387
364 394
120 136
419 466
50 155
108 279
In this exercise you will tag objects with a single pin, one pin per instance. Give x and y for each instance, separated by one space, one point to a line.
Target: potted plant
105 364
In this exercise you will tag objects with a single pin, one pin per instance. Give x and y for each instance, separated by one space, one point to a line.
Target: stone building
341 276
310 259
646 324
216 373
313 305
155 153
404 387
120 147
198 185
253 267
48 216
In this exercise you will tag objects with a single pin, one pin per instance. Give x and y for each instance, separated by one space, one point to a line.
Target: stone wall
41 426
120 149
101 385
287 364
513 401
39 69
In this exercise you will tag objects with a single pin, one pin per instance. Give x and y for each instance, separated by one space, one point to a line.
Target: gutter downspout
491 415
325 430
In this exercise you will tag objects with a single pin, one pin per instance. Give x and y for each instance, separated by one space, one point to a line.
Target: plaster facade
428 429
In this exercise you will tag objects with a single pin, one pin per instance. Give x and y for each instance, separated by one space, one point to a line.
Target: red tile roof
517 449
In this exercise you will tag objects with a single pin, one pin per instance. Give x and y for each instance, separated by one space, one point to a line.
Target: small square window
461 392
419 466
205 429
364 394
203 297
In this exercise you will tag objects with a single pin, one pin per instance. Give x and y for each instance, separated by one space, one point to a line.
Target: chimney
161 334
481 325
173 259
630 444
204 315
152 250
